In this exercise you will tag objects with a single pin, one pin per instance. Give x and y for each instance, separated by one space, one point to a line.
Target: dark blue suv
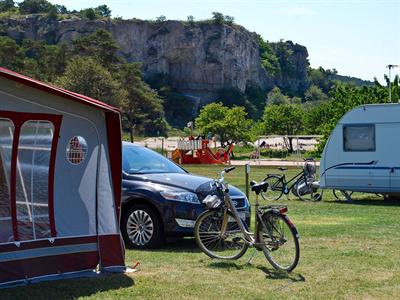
161 199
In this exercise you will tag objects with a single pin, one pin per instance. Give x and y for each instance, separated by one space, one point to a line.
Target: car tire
142 228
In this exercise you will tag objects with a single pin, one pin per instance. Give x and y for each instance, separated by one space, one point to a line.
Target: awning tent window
33 163
6 140
76 150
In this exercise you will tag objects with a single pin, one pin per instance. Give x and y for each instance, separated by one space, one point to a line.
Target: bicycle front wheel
279 239
275 188
230 244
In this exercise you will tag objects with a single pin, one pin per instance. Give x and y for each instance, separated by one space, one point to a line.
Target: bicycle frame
250 237
286 183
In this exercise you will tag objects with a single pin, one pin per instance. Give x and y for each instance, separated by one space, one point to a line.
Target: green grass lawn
348 251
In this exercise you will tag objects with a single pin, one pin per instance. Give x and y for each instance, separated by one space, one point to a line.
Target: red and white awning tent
60 183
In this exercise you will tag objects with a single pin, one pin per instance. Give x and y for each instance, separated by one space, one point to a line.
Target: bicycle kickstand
252 256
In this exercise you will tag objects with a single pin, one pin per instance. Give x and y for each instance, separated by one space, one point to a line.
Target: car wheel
141 227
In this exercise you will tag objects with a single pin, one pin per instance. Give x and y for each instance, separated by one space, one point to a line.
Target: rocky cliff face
200 58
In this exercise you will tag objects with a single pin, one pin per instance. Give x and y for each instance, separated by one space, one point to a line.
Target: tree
161 18
284 119
144 108
44 62
268 58
315 94
284 53
218 18
257 97
34 6
86 76
178 108
52 14
103 11
230 124
324 79
276 97
11 55
61 9
234 97
88 13
6 5
229 20
99 45
190 19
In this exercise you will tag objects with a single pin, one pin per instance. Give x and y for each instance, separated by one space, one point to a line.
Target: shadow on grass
274 274
179 245
225 265
372 202
68 288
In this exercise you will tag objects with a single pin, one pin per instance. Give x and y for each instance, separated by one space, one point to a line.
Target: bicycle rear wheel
306 192
275 188
280 241
207 231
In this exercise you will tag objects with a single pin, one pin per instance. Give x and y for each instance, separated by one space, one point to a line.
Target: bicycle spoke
281 245
229 244
275 188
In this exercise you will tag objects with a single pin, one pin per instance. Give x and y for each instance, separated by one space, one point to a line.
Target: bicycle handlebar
227 170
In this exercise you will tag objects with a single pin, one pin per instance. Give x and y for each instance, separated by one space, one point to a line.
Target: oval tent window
76 150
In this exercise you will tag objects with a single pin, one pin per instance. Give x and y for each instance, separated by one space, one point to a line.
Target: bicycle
304 185
220 233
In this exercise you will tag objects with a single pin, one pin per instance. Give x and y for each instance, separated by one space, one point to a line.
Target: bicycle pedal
237 240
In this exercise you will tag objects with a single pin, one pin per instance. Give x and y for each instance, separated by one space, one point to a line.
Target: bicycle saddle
258 187
282 169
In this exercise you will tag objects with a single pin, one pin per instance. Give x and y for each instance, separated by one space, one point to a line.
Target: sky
357 37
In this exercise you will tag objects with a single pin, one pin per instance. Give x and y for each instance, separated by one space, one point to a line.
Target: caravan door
392 157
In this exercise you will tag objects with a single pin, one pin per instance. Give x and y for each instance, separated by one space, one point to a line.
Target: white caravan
363 152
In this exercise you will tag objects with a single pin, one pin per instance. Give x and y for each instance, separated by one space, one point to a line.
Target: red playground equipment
197 151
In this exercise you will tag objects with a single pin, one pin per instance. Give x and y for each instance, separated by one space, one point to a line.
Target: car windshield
140 160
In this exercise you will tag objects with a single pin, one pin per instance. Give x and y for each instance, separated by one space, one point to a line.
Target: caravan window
359 137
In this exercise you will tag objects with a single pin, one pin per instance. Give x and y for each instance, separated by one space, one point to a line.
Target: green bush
274 153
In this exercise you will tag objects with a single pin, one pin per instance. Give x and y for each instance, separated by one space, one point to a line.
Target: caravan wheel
343 195
141 227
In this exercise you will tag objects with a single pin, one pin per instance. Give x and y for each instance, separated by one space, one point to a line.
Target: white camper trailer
363 152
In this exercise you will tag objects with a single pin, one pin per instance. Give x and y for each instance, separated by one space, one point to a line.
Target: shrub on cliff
6 5
35 6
